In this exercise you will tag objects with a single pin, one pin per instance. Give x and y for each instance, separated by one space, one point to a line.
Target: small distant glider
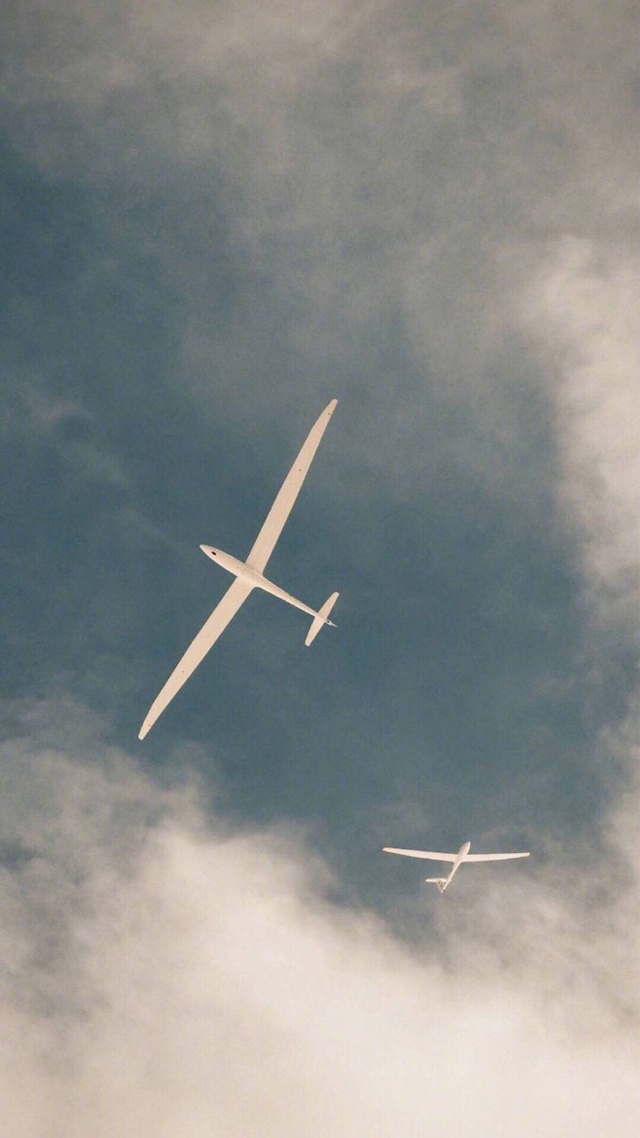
249 576
457 859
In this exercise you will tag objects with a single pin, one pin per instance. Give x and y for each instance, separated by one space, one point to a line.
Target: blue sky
215 219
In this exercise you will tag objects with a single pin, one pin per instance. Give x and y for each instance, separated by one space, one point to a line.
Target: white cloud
166 976
366 158
580 309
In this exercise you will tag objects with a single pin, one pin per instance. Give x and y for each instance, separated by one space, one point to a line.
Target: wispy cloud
366 159
580 306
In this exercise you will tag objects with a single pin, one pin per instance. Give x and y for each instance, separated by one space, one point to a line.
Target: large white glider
457 859
249 576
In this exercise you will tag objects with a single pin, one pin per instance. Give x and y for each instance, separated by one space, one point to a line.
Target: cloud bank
164 974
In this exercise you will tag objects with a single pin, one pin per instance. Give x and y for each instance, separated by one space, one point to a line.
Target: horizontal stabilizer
321 618
441 882
431 855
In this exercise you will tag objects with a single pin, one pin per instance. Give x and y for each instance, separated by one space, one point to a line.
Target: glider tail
441 882
321 617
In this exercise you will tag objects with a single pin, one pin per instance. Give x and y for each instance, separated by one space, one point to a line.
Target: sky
214 219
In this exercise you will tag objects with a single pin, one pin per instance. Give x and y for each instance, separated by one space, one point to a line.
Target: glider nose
209 550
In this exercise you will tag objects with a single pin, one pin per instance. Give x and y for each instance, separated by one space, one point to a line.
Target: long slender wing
197 650
430 854
272 527
493 857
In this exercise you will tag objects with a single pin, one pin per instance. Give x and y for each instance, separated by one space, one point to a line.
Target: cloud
362 162
578 307
166 974
432 207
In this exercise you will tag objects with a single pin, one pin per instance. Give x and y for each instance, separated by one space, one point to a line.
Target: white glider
249 576
457 859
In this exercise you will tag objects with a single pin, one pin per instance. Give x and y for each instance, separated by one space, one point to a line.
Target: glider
457 859
249 576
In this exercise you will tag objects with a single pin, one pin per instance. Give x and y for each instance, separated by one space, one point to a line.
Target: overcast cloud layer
215 219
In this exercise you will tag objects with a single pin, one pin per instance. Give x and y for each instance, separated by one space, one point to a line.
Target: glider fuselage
460 856
252 577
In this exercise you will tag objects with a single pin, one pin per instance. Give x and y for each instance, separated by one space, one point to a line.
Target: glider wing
430 854
272 527
222 614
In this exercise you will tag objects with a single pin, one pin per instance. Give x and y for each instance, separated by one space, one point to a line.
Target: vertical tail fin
322 617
